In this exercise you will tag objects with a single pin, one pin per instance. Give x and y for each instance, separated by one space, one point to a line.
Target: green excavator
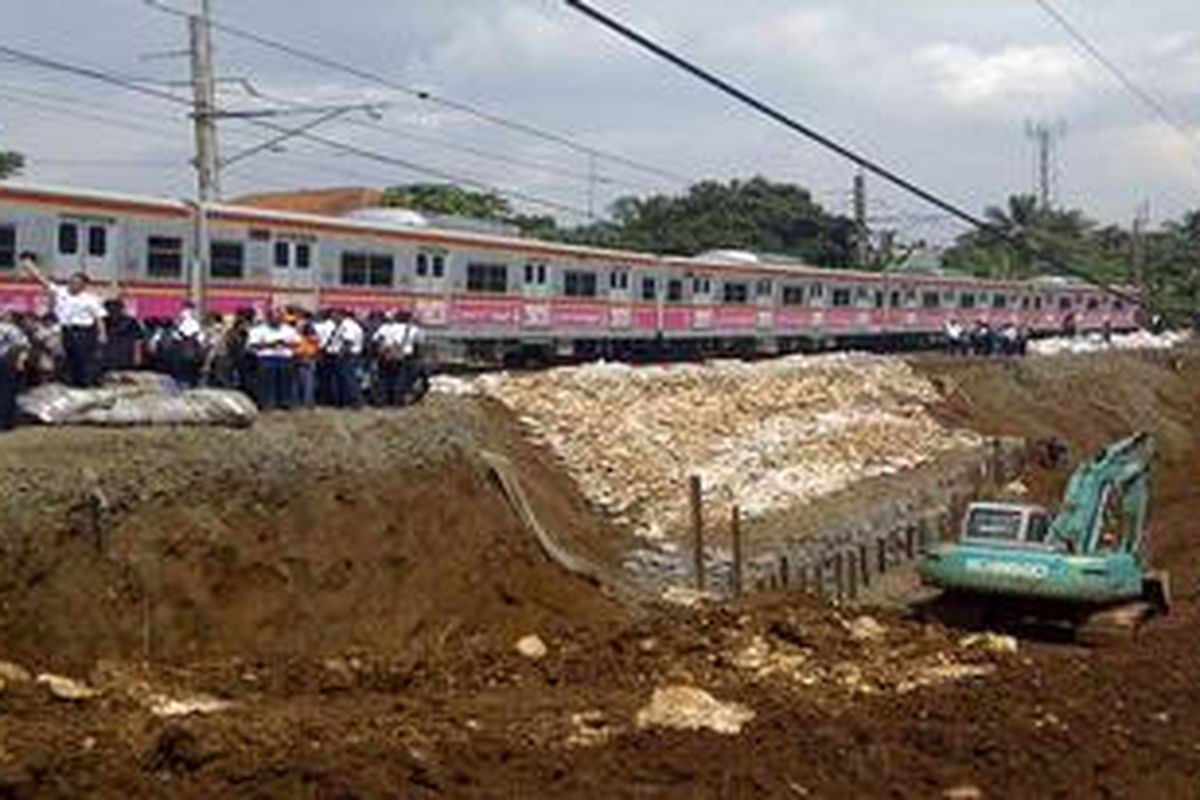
1084 566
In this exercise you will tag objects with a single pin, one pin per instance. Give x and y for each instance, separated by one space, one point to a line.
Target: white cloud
966 76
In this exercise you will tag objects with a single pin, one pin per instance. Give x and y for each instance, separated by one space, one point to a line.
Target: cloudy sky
939 90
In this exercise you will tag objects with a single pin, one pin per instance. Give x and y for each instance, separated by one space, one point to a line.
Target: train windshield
994 524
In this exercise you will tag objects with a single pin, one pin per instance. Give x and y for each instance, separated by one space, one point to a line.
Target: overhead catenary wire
1146 98
103 76
808 132
425 95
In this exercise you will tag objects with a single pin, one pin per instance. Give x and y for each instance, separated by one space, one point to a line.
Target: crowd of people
286 358
982 339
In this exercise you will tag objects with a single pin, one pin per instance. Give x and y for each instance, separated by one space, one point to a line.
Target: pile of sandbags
768 435
1095 343
132 399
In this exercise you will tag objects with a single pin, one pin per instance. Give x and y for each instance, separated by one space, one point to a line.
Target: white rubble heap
766 435
1094 343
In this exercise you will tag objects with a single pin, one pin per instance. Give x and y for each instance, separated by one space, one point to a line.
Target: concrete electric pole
862 244
204 121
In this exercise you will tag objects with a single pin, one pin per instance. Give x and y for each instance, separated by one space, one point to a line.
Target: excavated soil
354 586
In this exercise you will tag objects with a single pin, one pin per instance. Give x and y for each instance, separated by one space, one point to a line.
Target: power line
829 143
1143 96
425 95
361 152
478 152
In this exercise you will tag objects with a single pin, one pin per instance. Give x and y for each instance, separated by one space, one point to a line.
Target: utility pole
1137 246
862 245
1045 136
204 120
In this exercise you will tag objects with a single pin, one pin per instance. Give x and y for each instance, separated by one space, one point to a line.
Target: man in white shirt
955 336
188 347
345 346
323 327
81 314
273 343
396 343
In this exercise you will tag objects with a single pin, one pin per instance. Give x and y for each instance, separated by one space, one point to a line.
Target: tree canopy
11 164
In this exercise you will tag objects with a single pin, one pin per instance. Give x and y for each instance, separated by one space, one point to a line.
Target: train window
930 300
948 298
283 254
817 291
763 288
423 266
439 267
1093 303
487 278
618 279
999 301
355 269
1064 304
577 283
381 270
1025 303
68 239
227 259
164 257
1037 303
674 290
861 294
793 295
910 295
303 255
895 299
649 289
1117 305
879 298
735 293
8 246
841 297
535 274
701 286
966 300
98 241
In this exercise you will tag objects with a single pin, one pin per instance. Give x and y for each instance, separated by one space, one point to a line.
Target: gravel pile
767 435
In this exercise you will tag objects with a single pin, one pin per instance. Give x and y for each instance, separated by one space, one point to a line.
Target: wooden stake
698 529
736 530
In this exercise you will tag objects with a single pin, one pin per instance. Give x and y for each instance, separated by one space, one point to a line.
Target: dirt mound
349 685
313 533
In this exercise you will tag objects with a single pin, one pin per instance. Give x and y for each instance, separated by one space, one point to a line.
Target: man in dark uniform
14 348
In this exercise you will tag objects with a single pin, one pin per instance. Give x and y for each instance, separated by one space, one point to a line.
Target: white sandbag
154 400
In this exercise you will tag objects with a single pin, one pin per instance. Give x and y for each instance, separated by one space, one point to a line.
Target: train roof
715 261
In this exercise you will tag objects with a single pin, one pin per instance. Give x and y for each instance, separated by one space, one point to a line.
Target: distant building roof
335 202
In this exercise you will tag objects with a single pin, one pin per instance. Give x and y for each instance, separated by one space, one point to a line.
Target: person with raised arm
81 314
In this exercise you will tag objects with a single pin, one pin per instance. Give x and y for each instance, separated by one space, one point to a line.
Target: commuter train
484 295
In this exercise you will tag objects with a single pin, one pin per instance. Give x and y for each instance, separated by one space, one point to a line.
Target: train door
293 271
619 298
535 289
88 245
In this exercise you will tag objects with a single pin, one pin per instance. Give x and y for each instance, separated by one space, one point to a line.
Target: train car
486 296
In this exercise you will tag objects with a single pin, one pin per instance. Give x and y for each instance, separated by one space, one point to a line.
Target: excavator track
1114 626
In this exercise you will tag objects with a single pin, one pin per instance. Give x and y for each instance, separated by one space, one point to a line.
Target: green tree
437 198
11 164
756 214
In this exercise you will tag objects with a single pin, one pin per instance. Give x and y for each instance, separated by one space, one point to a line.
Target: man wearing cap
81 314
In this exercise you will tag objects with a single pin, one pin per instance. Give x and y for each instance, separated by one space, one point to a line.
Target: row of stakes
850 569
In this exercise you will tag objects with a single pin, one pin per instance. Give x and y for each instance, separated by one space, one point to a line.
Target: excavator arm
1106 500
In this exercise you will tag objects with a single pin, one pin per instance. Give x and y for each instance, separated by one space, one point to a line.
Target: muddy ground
354 586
